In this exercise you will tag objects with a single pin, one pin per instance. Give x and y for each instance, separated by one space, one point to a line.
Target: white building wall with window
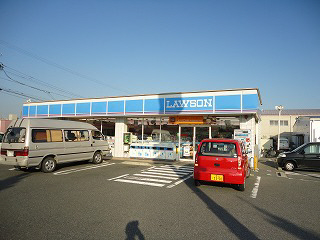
288 118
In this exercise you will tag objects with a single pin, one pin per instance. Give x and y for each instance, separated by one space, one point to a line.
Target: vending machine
245 135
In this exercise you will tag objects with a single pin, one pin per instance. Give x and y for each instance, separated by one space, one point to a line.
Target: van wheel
48 165
289 166
197 183
97 158
242 187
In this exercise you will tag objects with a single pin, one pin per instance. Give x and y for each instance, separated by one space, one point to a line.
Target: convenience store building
163 126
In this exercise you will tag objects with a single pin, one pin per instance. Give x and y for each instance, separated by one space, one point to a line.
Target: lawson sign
189 104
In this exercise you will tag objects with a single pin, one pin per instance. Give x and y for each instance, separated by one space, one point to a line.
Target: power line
13 95
20 94
15 81
21 83
33 79
57 65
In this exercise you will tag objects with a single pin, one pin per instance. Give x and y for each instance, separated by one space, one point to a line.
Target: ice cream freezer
151 150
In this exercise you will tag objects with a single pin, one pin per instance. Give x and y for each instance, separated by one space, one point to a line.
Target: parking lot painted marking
148 179
139 182
255 189
180 167
118 177
170 172
302 174
173 170
159 176
164 174
136 163
291 173
180 181
156 176
74 170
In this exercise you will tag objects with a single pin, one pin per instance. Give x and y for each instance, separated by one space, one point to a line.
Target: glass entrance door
202 132
186 143
190 137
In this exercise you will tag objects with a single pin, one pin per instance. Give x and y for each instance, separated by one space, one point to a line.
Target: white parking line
174 170
158 176
163 171
148 179
176 167
139 182
164 174
118 177
255 189
180 181
81 169
155 176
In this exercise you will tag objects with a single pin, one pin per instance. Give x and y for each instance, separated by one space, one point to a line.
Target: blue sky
144 47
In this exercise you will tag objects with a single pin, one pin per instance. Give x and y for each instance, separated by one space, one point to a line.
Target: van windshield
15 135
218 149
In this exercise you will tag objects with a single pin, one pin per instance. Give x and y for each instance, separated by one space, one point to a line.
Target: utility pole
279 108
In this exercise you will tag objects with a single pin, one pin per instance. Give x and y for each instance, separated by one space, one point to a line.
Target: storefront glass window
224 127
155 129
135 127
152 129
201 133
169 133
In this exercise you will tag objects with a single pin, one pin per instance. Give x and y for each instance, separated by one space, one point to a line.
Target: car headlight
282 155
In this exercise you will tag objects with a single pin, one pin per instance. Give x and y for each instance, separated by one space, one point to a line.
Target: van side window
97 135
71 135
45 135
56 135
84 135
76 135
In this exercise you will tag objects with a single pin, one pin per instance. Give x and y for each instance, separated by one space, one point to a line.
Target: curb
151 161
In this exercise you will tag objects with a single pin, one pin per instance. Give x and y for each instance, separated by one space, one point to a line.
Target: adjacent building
294 125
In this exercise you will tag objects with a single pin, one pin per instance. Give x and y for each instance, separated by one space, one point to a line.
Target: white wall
120 128
315 130
250 123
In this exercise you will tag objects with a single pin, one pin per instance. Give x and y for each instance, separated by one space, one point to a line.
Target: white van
44 143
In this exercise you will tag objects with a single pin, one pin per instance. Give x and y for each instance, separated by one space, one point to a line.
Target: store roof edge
159 94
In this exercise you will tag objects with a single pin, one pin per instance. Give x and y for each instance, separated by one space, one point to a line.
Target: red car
221 160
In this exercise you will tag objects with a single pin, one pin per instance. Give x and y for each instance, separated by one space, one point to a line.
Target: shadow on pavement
133 231
270 163
235 226
285 225
11 181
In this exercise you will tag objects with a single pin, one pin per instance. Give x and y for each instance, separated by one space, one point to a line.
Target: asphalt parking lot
124 199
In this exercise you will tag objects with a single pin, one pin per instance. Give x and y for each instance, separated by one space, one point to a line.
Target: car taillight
196 161
3 152
21 153
239 162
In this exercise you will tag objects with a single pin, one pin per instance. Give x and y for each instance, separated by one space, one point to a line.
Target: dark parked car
305 156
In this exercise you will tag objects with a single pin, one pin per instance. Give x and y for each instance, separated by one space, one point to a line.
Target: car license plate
10 153
216 178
